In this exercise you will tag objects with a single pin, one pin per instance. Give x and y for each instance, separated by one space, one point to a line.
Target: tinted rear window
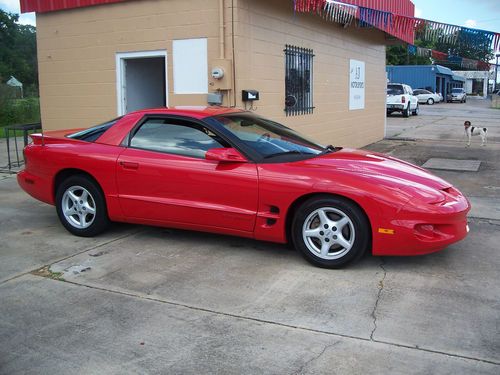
395 90
93 133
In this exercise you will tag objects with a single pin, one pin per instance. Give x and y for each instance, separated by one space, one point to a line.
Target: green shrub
19 111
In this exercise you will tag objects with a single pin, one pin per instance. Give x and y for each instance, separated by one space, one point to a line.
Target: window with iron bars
298 80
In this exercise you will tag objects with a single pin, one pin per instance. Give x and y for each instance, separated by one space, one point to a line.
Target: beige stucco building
97 62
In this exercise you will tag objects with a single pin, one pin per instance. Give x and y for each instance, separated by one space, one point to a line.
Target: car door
163 177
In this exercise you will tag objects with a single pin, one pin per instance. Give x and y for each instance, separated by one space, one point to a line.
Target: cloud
471 23
418 12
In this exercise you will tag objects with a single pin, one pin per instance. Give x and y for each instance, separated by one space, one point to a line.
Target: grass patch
47 273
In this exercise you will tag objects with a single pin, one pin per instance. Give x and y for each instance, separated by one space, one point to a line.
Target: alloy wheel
328 233
78 207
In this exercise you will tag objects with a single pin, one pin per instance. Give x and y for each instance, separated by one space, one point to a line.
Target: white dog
473 130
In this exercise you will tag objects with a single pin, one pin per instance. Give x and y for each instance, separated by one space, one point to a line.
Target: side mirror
225 155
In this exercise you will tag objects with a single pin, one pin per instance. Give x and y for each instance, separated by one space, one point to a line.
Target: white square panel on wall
190 66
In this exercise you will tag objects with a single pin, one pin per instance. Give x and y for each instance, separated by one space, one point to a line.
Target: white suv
400 98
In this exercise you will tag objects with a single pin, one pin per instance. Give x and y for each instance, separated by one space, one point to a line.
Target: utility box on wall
220 75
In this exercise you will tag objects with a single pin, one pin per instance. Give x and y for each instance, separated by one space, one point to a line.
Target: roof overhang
42 6
403 7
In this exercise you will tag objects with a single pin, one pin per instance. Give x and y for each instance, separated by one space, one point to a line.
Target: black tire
430 101
357 231
406 112
80 210
415 112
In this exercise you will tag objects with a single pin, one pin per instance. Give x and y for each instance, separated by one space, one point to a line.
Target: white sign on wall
356 85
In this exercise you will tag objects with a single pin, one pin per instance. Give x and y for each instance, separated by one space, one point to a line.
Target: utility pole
496 73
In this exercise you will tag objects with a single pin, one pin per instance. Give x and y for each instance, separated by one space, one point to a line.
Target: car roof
198 112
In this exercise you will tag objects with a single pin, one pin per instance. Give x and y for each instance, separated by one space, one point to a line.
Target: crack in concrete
300 371
278 324
380 289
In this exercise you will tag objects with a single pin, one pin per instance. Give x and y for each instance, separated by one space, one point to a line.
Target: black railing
298 80
11 134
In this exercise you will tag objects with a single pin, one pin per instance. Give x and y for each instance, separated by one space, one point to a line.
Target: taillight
403 99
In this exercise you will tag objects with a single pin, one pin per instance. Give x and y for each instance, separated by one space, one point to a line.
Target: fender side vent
270 222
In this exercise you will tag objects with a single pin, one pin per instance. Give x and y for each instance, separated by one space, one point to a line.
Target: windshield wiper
291 152
329 149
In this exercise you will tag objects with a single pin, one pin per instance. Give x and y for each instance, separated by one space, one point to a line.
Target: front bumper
421 229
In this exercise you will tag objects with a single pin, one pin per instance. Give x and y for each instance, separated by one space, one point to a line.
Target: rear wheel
330 232
415 112
406 112
430 101
81 206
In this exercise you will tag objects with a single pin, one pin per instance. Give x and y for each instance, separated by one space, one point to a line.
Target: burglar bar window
298 80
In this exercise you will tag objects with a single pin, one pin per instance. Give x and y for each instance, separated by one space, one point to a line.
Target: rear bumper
36 186
417 233
395 107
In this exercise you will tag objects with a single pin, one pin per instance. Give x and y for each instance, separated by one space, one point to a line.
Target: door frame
120 74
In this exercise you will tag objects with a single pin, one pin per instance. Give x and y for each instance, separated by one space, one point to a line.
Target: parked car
400 98
457 95
427 97
231 172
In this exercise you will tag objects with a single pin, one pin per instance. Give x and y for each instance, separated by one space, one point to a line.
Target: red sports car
231 172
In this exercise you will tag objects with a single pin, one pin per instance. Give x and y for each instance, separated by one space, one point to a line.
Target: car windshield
395 90
457 91
268 139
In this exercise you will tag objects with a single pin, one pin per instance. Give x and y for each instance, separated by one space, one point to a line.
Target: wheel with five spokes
81 206
331 231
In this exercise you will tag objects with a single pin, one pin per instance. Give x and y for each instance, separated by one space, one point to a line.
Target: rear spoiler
43 139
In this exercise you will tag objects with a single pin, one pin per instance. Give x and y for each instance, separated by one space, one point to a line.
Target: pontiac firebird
231 172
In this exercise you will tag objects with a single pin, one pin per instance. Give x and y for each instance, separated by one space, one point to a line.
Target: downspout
222 47
233 56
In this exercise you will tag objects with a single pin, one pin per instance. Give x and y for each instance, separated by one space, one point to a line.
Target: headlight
424 194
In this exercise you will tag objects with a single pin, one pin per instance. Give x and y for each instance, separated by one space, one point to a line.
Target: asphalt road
151 300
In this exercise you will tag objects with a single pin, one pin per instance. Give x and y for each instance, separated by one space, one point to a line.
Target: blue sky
478 14
13 7
481 14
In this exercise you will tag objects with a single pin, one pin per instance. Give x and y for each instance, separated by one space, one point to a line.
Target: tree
18 51
399 55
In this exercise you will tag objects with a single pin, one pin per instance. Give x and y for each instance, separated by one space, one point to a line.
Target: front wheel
81 206
330 232
430 101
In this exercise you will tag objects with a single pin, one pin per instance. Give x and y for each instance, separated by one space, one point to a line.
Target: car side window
177 137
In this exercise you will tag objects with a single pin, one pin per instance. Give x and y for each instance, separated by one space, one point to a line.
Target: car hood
386 169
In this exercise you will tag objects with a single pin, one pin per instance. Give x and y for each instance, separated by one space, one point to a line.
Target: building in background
476 82
102 58
17 86
435 78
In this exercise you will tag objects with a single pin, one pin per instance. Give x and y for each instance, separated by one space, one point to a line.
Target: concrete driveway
152 300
